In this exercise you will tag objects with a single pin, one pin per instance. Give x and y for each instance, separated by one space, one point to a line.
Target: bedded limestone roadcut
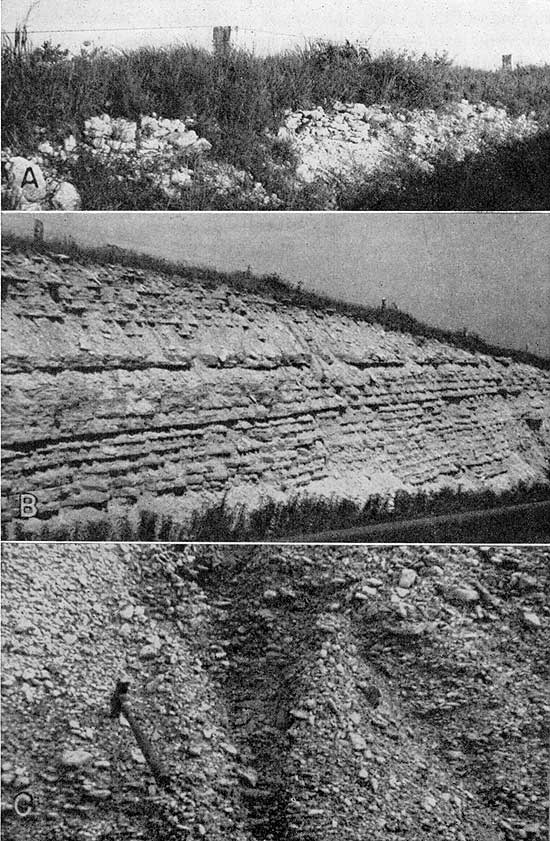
124 388
297 693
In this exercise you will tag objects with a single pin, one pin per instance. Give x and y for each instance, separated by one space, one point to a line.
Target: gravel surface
298 693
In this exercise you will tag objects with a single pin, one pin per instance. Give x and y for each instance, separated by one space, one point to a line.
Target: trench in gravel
260 685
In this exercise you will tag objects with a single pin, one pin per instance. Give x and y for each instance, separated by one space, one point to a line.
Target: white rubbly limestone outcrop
172 142
152 135
353 137
348 141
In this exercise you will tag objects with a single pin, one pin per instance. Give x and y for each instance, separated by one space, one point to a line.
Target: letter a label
29 179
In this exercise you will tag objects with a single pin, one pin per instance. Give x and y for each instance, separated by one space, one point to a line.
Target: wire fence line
110 29
223 40
173 28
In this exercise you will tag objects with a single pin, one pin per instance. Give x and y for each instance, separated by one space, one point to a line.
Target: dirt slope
296 693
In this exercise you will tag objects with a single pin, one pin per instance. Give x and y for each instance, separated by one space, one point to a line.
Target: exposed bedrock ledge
125 388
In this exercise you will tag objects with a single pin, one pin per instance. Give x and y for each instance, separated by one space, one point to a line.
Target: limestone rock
70 143
66 197
461 594
99 794
183 140
26 177
407 578
181 177
531 619
75 758
249 775
45 148
358 742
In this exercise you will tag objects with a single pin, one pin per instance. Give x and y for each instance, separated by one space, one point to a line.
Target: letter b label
27 505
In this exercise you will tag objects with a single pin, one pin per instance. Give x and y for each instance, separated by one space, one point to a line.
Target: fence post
221 40
38 232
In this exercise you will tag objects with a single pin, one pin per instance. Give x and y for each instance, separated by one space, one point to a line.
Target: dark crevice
135 365
40 443
259 689
34 446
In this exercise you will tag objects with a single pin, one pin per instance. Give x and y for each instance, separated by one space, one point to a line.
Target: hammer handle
145 746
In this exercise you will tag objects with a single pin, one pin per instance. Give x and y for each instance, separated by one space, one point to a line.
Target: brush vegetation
512 176
239 95
238 101
301 516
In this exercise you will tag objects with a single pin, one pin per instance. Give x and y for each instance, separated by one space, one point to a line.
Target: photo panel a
409 105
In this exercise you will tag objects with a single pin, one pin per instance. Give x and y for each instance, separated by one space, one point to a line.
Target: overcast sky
489 272
476 32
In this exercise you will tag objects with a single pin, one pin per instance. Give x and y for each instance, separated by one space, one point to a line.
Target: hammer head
119 696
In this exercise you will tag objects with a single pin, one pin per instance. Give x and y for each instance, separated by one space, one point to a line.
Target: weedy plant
236 97
301 515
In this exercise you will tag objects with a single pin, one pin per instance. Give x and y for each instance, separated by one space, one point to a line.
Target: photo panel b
259 377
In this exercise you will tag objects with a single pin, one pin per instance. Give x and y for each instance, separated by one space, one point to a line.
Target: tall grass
513 176
294 518
238 101
236 97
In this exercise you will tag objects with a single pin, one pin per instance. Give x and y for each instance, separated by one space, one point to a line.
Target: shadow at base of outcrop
525 523
515 176
516 515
